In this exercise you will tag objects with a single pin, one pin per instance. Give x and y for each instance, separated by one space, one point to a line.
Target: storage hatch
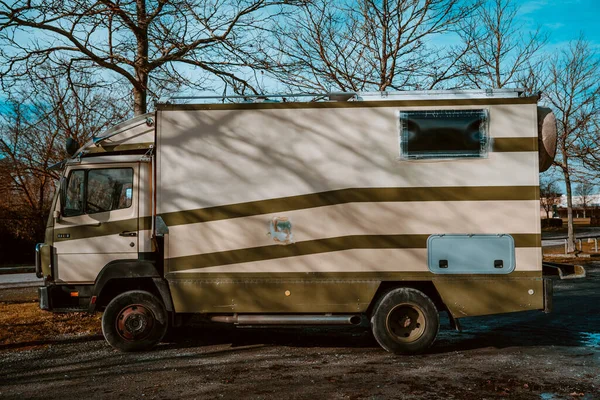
471 253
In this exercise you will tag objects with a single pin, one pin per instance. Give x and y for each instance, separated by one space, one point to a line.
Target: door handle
128 234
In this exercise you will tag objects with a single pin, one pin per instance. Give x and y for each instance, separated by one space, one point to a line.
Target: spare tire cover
547 134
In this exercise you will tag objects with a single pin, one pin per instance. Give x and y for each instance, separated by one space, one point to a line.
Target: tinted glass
109 189
443 134
73 202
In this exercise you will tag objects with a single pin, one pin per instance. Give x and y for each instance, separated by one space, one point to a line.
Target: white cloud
532 6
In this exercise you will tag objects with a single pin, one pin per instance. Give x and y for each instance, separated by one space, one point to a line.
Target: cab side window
73 204
98 190
109 189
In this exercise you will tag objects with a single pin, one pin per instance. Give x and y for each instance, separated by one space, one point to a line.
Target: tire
134 321
405 321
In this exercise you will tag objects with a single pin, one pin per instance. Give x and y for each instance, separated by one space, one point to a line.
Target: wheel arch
120 276
427 287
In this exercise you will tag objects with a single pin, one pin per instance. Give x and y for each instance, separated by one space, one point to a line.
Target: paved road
528 355
19 280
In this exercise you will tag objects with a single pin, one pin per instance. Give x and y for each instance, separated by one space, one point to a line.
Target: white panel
210 158
84 268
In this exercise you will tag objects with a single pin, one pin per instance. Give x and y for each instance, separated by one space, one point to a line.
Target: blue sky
563 19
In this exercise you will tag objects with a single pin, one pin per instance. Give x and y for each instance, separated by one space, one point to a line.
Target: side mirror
56 215
71 146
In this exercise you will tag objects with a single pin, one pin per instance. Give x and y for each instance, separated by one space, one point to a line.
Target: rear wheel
134 321
405 321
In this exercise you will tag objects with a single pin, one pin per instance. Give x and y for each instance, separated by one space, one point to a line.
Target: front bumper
44 298
65 298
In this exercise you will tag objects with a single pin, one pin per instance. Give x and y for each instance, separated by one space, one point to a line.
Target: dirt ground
527 355
24 324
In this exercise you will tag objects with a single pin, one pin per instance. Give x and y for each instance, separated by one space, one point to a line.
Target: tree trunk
139 101
41 218
570 230
140 92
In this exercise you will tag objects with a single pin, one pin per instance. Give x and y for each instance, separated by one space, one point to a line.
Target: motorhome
336 209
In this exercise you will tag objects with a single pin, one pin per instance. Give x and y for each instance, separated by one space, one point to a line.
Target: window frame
85 191
65 193
404 154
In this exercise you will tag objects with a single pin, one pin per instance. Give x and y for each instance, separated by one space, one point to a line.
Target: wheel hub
134 322
406 323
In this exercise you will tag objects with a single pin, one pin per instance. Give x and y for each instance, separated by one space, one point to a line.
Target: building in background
590 209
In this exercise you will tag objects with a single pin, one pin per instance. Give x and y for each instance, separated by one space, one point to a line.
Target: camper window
439 134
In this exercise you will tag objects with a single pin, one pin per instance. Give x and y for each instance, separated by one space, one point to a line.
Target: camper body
381 207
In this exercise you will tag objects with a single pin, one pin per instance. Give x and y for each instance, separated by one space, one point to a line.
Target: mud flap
548 293
454 323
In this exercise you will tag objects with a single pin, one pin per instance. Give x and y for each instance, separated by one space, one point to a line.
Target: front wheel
405 321
134 321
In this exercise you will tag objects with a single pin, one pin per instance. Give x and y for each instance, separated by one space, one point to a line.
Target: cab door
97 220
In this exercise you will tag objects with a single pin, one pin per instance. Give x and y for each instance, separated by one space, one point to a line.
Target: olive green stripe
527 239
104 229
350 104
313 200
318 246
273 277
343 196
515 144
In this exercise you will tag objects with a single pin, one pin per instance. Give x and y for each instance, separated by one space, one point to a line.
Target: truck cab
98 240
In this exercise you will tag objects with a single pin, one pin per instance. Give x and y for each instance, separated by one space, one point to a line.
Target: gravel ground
18 295
526 355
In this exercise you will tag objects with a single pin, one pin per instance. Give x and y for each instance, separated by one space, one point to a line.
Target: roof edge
352 104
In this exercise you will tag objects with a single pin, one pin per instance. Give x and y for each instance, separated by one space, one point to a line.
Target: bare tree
573 94
144 43
589 147
501 52
34 123
584 190
549 195
366 45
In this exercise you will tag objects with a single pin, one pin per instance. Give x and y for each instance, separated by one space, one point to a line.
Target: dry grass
25 325
566 260
556 254
577 222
